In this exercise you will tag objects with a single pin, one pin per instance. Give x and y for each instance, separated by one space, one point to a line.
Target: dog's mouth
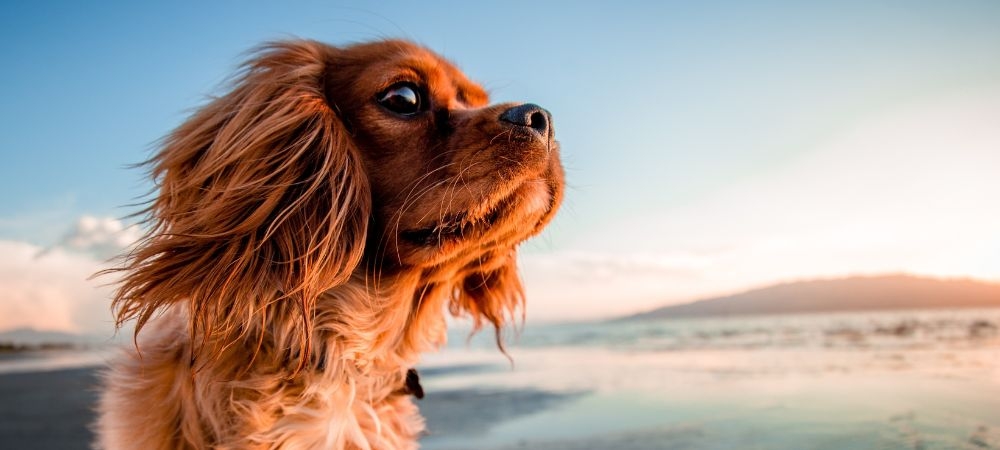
511 209
456 226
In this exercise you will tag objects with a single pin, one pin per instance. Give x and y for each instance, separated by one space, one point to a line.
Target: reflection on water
913 380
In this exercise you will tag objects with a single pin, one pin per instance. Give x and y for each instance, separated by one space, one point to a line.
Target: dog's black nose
529 115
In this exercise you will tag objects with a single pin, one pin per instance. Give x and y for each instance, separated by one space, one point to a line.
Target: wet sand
47 410
53 410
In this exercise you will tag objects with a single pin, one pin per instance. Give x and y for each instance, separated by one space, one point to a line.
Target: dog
310 230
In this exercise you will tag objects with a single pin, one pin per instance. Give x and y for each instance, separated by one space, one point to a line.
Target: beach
53 410
920 380
47 410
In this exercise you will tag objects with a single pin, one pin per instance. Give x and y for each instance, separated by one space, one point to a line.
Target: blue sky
708 144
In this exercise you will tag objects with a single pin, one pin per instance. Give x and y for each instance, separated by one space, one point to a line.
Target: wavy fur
280 295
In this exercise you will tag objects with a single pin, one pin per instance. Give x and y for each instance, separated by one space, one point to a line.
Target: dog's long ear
492 295
262 201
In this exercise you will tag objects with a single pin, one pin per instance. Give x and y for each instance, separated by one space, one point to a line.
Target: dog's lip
462 224
455 226
449 229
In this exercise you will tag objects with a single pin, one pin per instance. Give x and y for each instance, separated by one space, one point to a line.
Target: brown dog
310 228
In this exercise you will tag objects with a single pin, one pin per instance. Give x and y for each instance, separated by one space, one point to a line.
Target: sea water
885 380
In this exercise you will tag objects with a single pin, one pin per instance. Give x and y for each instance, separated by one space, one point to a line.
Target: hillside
847 294
34 338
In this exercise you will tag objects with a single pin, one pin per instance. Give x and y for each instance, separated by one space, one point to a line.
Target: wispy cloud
578 285
52 292
53 288
101 237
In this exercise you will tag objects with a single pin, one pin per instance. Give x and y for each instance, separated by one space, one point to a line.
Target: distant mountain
33 337
847 294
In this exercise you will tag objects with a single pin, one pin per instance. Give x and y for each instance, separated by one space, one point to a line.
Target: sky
710 147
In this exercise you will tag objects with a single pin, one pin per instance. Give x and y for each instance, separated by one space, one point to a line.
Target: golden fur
305 242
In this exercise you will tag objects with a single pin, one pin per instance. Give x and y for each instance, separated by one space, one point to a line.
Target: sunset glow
709 149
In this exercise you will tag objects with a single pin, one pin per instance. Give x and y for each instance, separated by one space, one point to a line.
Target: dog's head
322 163
449 173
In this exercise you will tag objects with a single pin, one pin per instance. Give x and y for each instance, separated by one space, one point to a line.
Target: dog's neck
398 316
366 332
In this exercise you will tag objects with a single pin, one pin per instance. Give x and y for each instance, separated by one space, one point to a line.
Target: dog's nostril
528 115
538 121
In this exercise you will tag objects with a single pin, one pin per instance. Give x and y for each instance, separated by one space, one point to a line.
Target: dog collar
413 386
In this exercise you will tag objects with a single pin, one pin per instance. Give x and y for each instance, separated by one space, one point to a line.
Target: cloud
53 288
52 291
575 285
101 237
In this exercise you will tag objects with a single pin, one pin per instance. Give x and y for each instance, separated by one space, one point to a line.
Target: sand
53 410
47 410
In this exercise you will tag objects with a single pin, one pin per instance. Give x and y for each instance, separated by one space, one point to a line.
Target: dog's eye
402 98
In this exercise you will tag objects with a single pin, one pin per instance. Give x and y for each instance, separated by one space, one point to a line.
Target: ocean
871 380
